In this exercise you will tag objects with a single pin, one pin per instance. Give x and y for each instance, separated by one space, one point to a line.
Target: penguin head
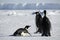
36 13
45 12
27 26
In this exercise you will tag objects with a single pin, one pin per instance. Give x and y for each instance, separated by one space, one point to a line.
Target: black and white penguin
22 32
38 20
46 25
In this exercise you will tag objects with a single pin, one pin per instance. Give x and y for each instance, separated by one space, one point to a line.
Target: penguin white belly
24 34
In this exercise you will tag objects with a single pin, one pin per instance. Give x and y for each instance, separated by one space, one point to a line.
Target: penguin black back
38 21
46 25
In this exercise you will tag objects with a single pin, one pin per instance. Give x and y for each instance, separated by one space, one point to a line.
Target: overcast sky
29 1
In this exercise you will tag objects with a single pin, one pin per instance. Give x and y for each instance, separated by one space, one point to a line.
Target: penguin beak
33 13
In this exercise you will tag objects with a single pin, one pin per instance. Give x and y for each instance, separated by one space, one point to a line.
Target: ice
20 18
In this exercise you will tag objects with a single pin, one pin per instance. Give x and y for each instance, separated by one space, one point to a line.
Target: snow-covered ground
11 20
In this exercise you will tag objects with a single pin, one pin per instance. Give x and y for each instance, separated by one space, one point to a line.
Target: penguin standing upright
46 25
38 21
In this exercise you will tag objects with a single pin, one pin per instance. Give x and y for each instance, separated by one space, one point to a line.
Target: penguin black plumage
38 21
21 31
46 25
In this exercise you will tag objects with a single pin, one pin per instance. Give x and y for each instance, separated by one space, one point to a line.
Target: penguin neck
45 14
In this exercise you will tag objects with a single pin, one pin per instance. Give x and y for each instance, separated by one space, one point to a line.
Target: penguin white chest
24 34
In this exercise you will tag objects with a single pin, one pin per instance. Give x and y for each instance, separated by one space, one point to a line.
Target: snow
11 20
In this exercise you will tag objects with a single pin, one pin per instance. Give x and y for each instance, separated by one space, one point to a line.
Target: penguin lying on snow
46 25
21 31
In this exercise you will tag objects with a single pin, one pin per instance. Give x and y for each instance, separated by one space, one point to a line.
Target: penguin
46 25
22 31
38 21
